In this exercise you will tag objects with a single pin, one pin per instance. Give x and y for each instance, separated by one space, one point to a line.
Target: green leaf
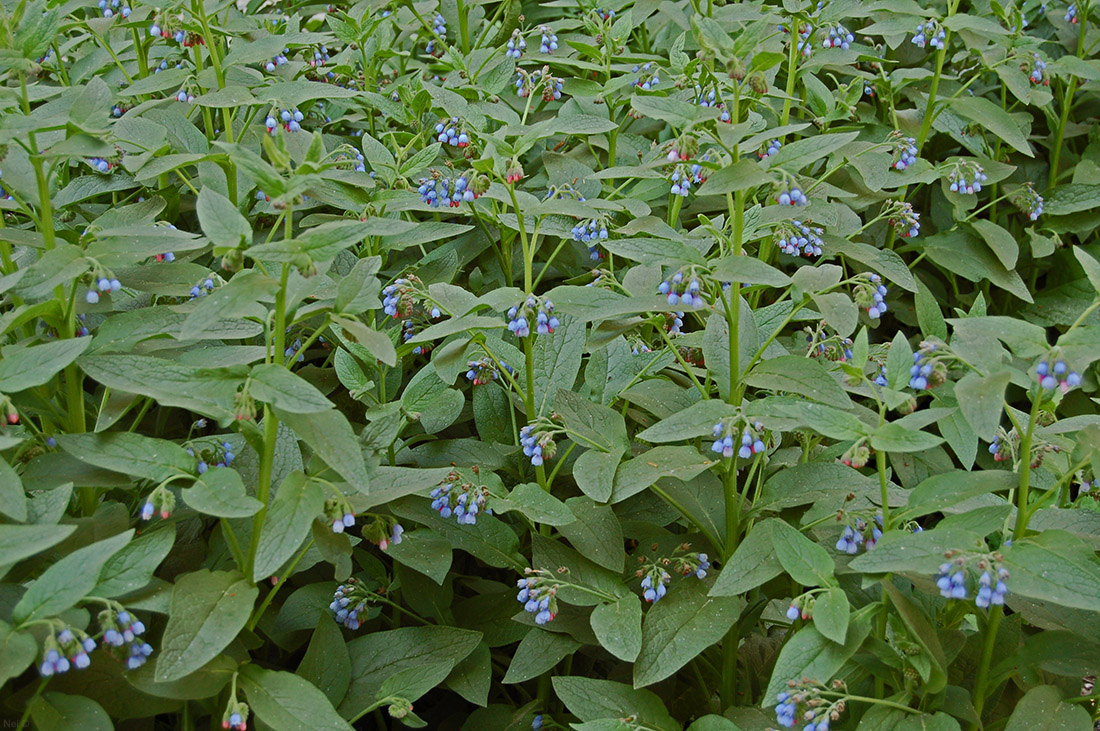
595 532
590 699
748 270
808 563
277 386
13 501
208 610
592 422
18 542
326 663
557 361
938 492
288 702
809 654
799 375
129 453
435 403
594 472
1042 709
1088 263
378 656
220 492
1000 241
67 581
425 551
208 391
741 175
894 437
922 629
538 652
990 116
884 261
132 567
61 712
799 154
961 252
1054 567
1072 198
330 436
537 504
697 420
618 627
26 367
831 614
679 627
752 564
297 502
241 292
917 553
981 400
221 221
639 473
17 651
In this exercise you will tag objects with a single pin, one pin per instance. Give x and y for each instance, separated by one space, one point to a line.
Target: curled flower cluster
929 33
1071 14
437 188
1029 202
954 581
464 504
538 595
104 285
752 439
683 291
792 197
439 27
903 151
828 347
800 238
65 650
966 178
109 8
552 86
533 308
219 457
649 76
674 321
655 585
548 43
590 232
484 371
516 45
449 132
838 37
202 289
870 295
320 58
857 455
1054 373
397 298
802 702
278 60
184 97
710 99
904 219
338 514
100 165
1037 70
538 444
927 370
859 533
235 715
291 120
349 603
122 631
770 149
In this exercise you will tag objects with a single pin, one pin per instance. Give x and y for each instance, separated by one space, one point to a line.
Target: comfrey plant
502 365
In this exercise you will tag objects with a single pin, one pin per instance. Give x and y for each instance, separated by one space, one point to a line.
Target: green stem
256 615
1067 103
792 71
1022 511
990 636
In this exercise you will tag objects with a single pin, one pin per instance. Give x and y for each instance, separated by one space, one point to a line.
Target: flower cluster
100 165
683 176
1037 70
400 298
770 149
464 504
683 291
589 232
160 500
857 455
449 132
439 27
320 58
826 346
552 86
278 60
651 593
291 120
65 650
966 178
674 321
927 370
538 443
838 37
541 311
349 603
484 371
929 33
104 285
516 45
1071 14
799 238
219 457
538 595
202 289
870 294
859 533
805 47
384 530
235 715
548 43
1054 373
954 580
802 703
122 631
710 99
792 197
751 435
1029 202
109 8
338 514
903 151
184 97
438 188
648 76
904 219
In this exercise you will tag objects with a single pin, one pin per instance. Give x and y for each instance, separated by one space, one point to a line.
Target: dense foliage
504 365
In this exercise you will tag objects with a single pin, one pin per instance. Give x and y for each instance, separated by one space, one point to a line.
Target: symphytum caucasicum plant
506 365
